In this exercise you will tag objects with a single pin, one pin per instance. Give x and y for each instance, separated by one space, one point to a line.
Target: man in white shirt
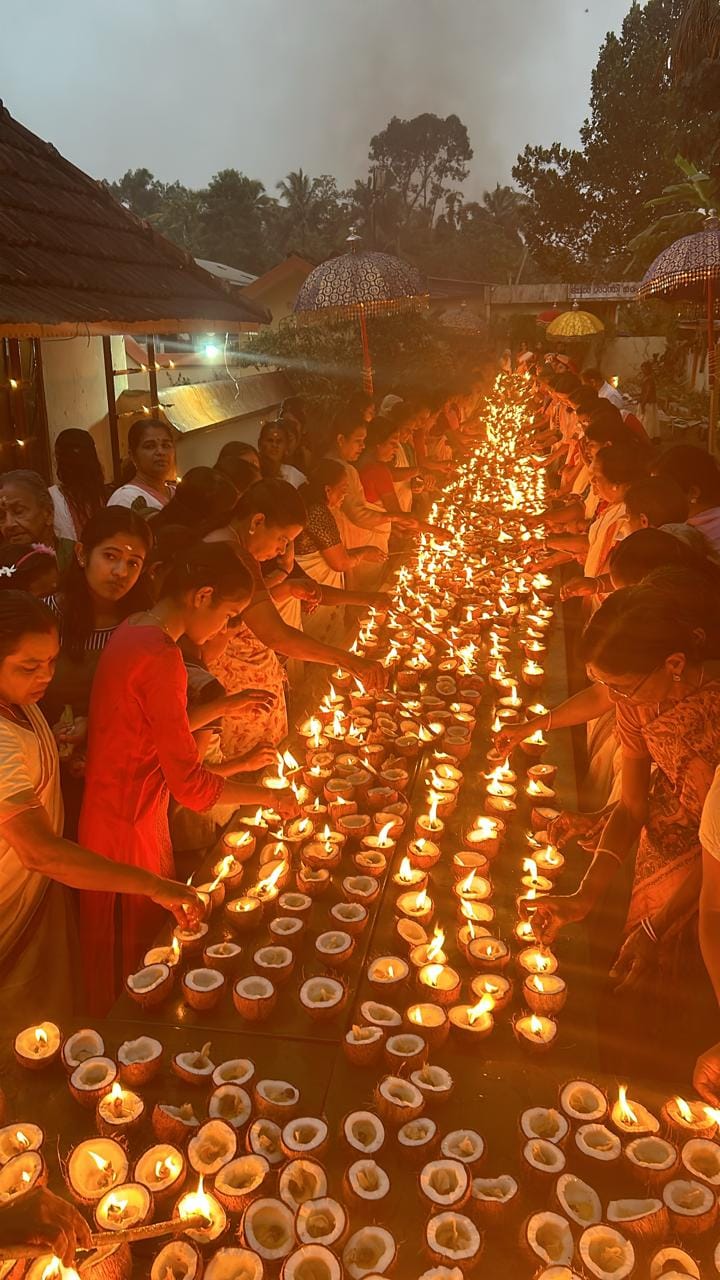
595 379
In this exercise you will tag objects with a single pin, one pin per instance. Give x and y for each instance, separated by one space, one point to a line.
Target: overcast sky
187 87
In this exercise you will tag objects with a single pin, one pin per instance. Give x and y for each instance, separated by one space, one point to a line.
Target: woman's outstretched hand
42 1218
635 961
706 1078
551 914
180 899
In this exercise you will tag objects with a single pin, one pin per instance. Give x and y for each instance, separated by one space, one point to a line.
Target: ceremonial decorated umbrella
546 316
690 269
574 324
359 284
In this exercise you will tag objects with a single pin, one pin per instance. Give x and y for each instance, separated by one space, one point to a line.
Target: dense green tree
423 157
140 191
231 228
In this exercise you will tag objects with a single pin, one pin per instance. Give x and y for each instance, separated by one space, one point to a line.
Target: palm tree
697 37
297 190
505 205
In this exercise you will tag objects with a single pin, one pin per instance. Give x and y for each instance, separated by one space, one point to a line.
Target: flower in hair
7 570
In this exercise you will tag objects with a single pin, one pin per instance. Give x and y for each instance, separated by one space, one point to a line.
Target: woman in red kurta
141 750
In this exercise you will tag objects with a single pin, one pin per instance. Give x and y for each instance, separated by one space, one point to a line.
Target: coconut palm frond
697 37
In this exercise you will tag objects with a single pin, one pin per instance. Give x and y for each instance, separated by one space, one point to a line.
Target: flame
713 1114
116 1092
536 1025
487 828
530 868
416 1016
195 1204
385 832
470 928
535 788
391 971
289 760
466 885
435 947
684 1110
421 900
40 1039
56 1271
166 1168
405 872
326 833
536 983
485 1005
269 883
432 811
115 1207
432 973
626 1112
224 870
337 727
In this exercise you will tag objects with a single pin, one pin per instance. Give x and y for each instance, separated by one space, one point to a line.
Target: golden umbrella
574 324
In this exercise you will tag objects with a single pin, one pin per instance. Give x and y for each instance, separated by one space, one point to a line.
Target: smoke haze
186 87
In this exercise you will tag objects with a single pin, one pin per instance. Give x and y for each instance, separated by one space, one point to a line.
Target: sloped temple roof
73 261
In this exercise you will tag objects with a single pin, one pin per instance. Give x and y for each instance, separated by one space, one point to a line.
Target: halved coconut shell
36 1048
94 1167
234 1071
543 1159
180 1259
312 1262
19 1137
547 1236
92 1080
596 1143
162 1170
453 1239
652 1161
578 1201
435 1083
701 1160
583 1102
544 1122
263 1139
234 1264
194 1067
174 1124
606 1254
321 1221
80 1046
150 985
416 1139
268 1228
692 1206
352 917
362 1045
231 1103
365 1180
295 904
239 1181
380 1015
322 998
139 1060
20 1174
369 1251
203 988
304 1136
492 1199
277 1099
254 998
275 962
302 1180
640 1220
404 1051
109 1209
464 1145
287 931
445 1184
398 1100
214 1145
334 948
672 1261
224 956
363 1131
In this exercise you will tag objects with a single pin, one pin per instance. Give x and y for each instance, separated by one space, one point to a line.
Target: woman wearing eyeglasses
648 647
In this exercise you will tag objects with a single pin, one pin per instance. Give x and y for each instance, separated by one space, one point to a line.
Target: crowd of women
146 635
638 530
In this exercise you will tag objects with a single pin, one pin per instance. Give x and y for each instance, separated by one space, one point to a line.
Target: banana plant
691 200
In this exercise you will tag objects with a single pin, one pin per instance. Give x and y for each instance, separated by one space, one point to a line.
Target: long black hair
184 564
325 474
79 473
203 500
276 500
637 628
76 604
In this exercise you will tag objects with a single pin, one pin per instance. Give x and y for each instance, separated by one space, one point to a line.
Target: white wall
623 356
75 392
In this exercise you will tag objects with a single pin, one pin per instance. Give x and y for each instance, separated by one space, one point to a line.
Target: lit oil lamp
471 929
632 1118
535 744
485 835
545 993
532 673
487 954
427 825
543 773
199 1204
533 880
430 1021
423 853
161 1169
383 842
93 1167
495 985
243 914
440 983
119 1111
537 960
539 792
535 1032
500 797
416 905
125 1206
429 952
682 1119
297 832
473 1022
387 973
268 888
473 888
409 877
240 845
38 1047
550 862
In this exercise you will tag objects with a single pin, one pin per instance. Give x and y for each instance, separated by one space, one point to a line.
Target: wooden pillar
112 408
152 373
17 396
44 447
